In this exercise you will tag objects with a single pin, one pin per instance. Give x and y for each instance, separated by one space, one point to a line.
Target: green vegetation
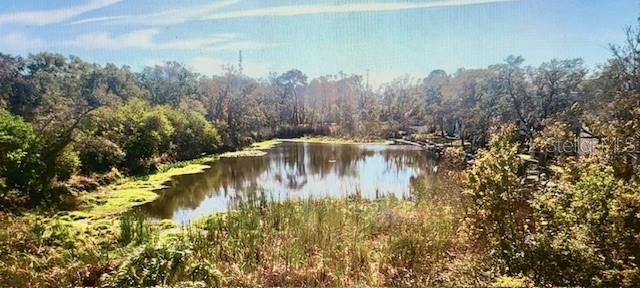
331 242
134 191
254 150
117 198
19 150
81 144
337 140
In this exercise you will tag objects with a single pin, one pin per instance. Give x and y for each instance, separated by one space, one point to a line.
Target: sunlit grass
337 140
326 242
306 242
133 191
254 150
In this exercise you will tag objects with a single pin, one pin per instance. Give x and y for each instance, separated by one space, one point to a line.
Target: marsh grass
348 241
327 242
134 229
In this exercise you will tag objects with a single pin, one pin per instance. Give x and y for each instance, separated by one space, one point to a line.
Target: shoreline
118 198
100 209
335 140
104 206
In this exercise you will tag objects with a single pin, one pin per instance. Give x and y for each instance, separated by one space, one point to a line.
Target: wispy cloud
45 17
294 10
146 39
103 40
19 43
169 17
208 12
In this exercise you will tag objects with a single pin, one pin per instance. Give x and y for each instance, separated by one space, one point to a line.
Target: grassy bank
255 149
134 191
310 242
337 140
331 242
40 248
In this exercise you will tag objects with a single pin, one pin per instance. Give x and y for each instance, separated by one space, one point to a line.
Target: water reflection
293 170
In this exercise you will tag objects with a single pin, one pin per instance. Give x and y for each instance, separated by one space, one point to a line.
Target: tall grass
329 242
347 241
134 229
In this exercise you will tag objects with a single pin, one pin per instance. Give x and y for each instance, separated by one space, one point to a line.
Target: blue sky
389 38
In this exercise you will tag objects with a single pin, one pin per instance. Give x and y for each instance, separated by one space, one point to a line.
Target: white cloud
344 8
245 45
169 17
19 43
103 40
45 17
206 12
211 66
145 39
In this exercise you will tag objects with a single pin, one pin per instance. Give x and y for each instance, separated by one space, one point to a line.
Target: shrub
453 158
556 139
67 164
588 230
193 136
20 150
499 202
164 265
99 154
150 138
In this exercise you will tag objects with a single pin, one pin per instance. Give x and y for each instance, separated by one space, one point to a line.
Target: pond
293 170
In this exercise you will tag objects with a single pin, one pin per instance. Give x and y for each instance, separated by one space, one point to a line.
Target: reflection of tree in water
289 161
400 159
339 159
298 161
287 167
224 176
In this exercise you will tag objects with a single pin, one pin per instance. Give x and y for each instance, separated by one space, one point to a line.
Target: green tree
193 135
499 203
20 165
169 83
149 136
292 84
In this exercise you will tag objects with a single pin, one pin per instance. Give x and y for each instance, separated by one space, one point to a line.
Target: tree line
62 115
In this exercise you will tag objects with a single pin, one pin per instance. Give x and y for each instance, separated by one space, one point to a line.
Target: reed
348 241
134 229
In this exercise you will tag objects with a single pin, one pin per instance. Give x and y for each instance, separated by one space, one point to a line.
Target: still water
293 170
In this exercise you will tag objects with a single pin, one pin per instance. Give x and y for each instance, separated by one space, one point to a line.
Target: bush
453 158
555 140
67 164
136 137
20 150
500 211
99 154
589 230
165 265
150 138
193 136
